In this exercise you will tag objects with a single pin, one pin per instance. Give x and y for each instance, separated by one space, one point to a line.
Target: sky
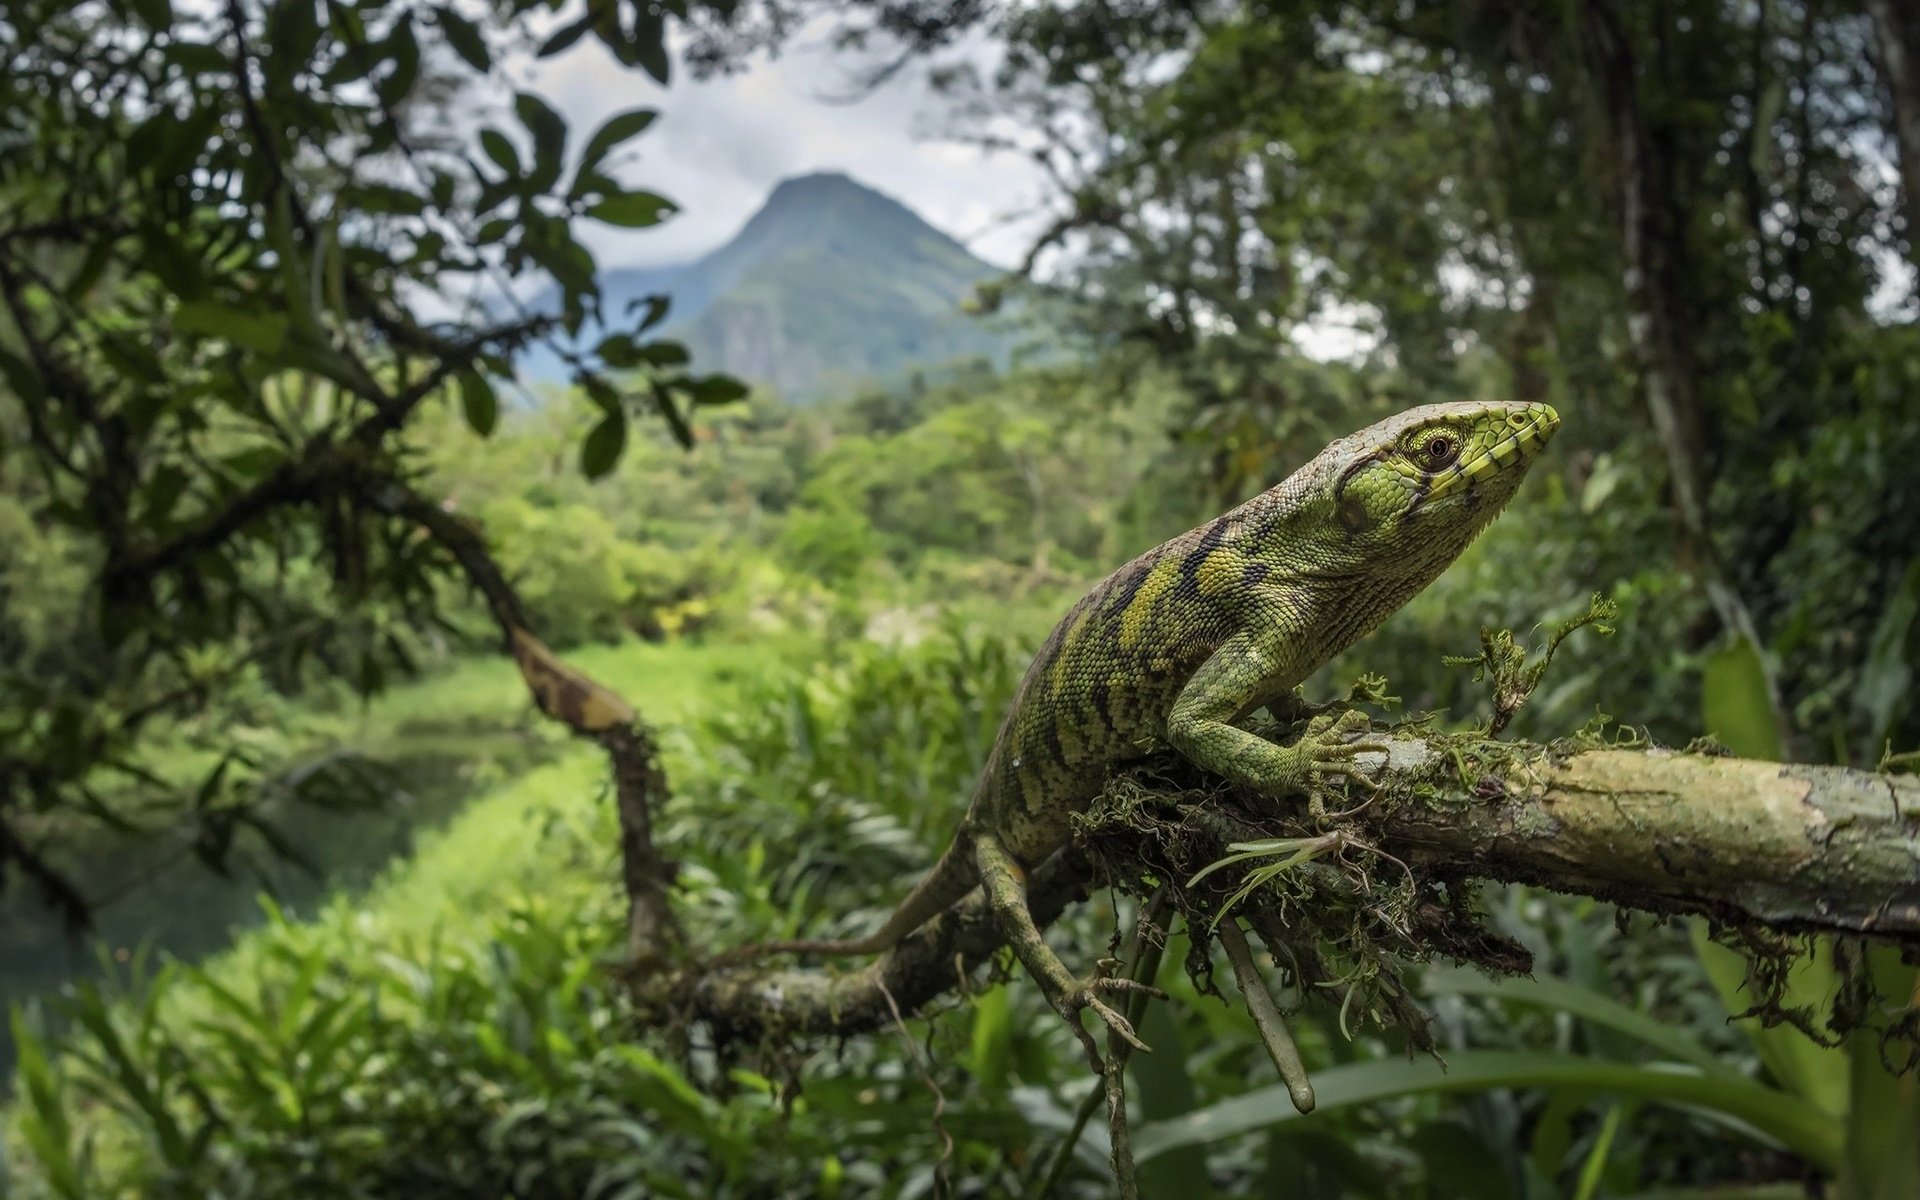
720 146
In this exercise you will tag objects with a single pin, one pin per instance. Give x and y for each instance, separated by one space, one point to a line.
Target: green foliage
217 223
1230 182
582 582
882 743
209 381
454 1029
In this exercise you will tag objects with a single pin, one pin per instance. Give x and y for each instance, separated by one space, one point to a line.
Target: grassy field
469 773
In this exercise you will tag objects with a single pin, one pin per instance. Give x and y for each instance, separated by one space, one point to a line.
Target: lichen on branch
1763 850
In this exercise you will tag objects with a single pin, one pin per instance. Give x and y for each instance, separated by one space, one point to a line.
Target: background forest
312 393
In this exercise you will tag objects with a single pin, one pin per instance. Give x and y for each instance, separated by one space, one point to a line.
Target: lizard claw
1328 752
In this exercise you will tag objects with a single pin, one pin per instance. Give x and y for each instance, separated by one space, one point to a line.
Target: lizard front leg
1005 884
1243 671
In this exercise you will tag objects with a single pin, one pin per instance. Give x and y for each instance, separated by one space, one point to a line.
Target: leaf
990 1052
656 306
478 403
1459 1162
384 198
648 45
1800 1127
259 331
549 133
1166 1091
176 265
1883 1158
41 1110
564 37
713 389
619 350
20 376
466 39
197 58
1559 995
633 210
501 151
603 446
612 132
551 244
602 393
1887 675
1816 1073
675 419
1734 702
156 15
402 49
168 484
666 354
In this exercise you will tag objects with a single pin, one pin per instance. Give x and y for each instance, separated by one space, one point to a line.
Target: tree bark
1653 246
588 708
1757 846
1896 29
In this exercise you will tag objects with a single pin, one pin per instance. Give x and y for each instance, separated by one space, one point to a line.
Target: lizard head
1410 492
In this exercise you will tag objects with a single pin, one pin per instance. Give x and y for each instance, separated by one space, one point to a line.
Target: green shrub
487 1050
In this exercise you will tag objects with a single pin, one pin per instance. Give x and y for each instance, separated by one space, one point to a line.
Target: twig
942 1186
1266 1016
1122 1141
1142 954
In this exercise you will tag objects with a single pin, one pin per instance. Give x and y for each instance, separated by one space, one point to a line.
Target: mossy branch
1759 848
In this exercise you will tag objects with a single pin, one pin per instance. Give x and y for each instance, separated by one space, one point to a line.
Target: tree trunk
1896 28
1653 246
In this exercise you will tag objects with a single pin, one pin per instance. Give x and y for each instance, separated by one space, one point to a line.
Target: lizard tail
951 878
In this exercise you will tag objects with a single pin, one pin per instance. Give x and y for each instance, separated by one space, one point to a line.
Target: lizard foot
1086 995
1333 750
1327 751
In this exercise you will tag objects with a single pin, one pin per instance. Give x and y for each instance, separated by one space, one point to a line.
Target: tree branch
588 708
324 466
1756 846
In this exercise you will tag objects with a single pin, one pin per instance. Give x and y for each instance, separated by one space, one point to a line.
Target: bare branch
588 708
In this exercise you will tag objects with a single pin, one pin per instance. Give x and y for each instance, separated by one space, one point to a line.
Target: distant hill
829 285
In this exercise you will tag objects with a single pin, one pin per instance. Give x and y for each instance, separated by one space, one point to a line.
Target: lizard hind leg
1005 883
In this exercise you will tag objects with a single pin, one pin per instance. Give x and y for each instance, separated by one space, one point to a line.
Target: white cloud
722 144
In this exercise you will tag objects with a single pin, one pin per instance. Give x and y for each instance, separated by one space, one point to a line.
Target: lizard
1178 645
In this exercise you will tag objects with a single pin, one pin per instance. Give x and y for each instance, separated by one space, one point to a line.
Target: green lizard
1175 647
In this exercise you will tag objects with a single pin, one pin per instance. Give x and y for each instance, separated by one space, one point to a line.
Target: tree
1667 219
220 227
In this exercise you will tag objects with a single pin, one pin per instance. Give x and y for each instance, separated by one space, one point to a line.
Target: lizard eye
1440 450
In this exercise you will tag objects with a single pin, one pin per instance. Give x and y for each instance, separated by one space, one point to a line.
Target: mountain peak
829 284
830 205
815 183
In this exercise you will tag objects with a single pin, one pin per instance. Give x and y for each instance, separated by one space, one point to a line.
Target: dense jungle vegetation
302 894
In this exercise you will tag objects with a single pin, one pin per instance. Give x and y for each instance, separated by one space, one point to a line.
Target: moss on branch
1343 900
